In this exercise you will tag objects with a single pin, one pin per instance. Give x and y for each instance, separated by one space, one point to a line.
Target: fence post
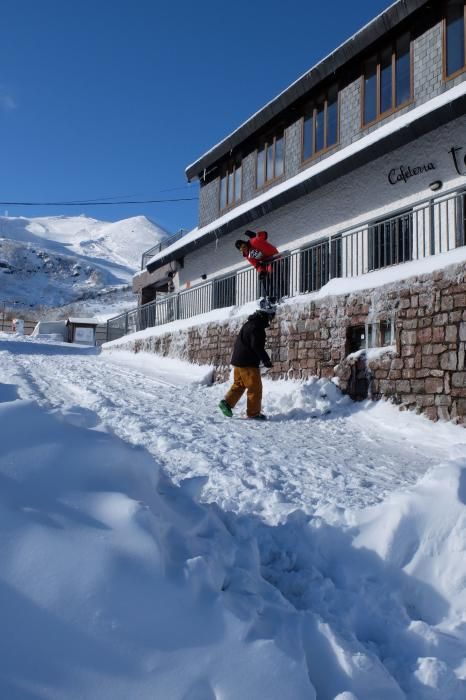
178 306
432 227
126 323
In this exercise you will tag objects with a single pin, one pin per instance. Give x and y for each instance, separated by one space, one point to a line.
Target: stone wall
425 370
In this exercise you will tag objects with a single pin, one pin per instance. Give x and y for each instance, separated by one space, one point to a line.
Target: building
358 165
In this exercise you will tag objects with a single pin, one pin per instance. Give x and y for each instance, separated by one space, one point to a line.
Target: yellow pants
246 378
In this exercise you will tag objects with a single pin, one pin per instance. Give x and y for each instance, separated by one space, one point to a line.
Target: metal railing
428 228
148 254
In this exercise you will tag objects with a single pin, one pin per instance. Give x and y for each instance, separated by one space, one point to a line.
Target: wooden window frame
227 171
395 108
272 138
460 71
312 106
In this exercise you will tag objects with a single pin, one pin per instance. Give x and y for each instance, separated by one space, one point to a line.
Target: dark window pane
403 70
269 165
230 188
223 192
307 137
319 128
314 267
332 118
386 81
279 157
385 333
390 242
238 183
370 91
336 257
455 36
260 167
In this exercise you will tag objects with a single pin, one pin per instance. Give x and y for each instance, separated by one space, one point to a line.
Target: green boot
225 409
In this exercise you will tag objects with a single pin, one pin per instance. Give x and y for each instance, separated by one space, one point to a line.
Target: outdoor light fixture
436 185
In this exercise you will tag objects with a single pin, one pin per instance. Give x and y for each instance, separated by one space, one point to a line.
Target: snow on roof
341 155
84 321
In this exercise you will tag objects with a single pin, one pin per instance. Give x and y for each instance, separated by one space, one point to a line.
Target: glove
250 234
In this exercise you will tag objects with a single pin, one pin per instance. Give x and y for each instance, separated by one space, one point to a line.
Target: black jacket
249 350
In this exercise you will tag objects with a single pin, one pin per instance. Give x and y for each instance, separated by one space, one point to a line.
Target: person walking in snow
248 353
260 253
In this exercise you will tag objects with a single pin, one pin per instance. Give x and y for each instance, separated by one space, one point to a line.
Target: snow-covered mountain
56 261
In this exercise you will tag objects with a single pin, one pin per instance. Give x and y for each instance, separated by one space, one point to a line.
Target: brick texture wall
426 370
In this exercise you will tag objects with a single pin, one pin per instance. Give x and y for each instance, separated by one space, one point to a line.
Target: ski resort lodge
358 165
357 171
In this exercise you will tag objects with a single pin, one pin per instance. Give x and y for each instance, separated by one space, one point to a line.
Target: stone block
434 385
449 360
438 334
451 334
424 335
458 379
438 348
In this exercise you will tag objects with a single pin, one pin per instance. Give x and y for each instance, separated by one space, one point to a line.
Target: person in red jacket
260 253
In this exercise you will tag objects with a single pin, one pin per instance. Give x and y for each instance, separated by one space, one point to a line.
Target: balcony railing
148 254
428 228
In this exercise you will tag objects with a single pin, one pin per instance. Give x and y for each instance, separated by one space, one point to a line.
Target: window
320 124
385 333
230 186
270 160
387 80
454 38
391 242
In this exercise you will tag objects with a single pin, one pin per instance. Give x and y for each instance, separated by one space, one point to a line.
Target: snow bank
165 369
190 573
114 584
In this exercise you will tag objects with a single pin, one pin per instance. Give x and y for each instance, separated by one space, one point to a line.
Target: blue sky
100 98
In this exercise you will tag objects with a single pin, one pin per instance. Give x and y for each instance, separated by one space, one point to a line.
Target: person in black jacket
248 353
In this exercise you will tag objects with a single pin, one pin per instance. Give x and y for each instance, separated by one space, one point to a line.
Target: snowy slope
321 555
53 261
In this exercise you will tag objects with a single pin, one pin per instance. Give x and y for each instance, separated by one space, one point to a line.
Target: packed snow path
317 452
319 556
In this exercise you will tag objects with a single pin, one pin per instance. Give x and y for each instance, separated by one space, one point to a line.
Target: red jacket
260 252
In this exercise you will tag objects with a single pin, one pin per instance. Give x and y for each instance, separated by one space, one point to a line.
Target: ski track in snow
336 461
339 597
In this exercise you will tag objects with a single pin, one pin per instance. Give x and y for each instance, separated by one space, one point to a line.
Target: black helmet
265 316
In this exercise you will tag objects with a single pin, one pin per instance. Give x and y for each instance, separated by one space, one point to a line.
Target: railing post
330 258
126 323
432 227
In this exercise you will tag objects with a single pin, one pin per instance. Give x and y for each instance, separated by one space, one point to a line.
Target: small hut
82 330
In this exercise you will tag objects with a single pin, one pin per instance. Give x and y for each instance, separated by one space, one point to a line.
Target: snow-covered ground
152 548
55 261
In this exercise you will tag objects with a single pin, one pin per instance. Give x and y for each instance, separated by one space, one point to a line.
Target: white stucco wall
354 198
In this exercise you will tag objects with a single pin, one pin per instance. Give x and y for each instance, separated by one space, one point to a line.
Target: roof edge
351 47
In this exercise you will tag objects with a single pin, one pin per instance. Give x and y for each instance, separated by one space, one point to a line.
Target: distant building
358 165
82 330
